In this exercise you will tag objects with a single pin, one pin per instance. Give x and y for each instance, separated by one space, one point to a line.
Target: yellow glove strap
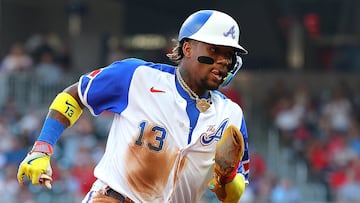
67 105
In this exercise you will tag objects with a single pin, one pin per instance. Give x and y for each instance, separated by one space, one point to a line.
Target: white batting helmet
212 27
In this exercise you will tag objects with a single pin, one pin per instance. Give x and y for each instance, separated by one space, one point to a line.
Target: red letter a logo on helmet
231 32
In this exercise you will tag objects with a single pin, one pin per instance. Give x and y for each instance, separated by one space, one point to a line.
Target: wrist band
42 147
51 131
67 105
231 176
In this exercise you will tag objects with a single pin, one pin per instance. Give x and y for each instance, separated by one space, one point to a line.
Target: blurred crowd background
299 89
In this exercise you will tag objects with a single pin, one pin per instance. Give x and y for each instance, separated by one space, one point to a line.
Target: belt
113 194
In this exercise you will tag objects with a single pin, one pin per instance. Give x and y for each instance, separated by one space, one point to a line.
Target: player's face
208 76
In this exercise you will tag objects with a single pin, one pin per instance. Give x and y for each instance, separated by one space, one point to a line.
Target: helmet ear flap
234 67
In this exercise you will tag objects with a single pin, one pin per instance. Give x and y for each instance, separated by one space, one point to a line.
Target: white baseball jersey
160 147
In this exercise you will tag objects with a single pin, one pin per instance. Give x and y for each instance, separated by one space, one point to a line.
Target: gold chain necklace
201 104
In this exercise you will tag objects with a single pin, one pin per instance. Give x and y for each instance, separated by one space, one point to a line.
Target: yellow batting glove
230 192
36 166
234 189
227 184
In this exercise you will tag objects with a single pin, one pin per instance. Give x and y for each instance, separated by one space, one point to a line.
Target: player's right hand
36 167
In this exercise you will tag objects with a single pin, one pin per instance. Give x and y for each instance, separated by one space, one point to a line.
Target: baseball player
173 134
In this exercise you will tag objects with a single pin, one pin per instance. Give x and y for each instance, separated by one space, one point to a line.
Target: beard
208 84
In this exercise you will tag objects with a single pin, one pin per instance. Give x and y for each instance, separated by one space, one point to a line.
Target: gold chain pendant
202 105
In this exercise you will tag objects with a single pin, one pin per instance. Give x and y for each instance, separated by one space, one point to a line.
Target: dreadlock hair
176 53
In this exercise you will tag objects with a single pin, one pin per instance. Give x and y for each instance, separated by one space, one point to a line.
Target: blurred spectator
209 197
82 170
258 167
80 135
339 152
30 122
38 44
59 49
277 91
55 42
10 111
285 192
7 139
17 60
318 159
264 188
338 111
304 100
248 196
8 144
288 118
341 157
33 43
356 101
349 191
29 126
353 139
9 185
48 71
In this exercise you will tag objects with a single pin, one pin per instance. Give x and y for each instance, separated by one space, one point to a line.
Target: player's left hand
226 183
36 167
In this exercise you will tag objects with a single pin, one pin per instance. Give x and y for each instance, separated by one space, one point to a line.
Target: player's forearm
64 111
58 116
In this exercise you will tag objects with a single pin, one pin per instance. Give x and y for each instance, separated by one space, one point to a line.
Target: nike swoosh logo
67 103
152 89
29 162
